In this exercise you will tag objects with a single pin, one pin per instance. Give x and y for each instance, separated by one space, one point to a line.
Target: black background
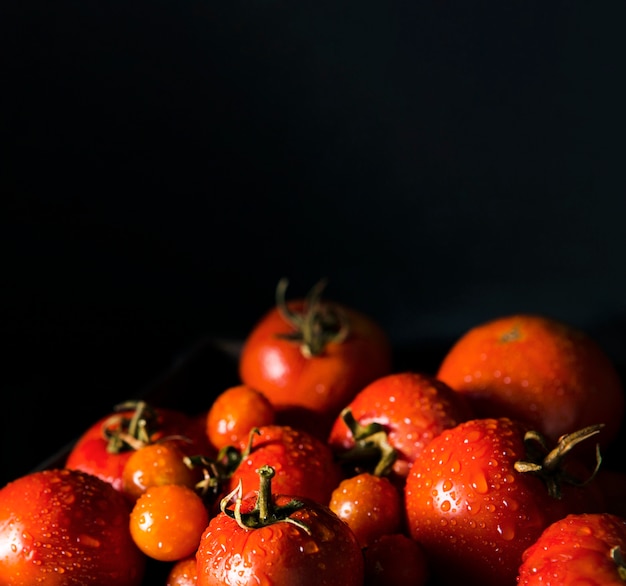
164 163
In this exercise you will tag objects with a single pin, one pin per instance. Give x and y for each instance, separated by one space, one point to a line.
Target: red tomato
579 549
538 370
304 465
310 356
105 447
371 506
64 528
410 408
472 508
279 540
395 560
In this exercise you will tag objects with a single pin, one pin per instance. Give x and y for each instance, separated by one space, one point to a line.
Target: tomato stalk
317 325
265 511
549 464
124 433
370 443
618 559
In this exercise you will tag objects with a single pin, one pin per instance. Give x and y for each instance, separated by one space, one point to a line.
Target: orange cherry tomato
167 522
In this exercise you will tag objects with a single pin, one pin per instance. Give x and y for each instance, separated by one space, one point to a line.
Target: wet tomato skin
281 554
66 528
466 502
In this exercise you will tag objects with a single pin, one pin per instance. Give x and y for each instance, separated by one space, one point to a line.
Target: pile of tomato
325 465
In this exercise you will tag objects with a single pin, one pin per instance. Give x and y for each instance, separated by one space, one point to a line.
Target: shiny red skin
412 407
66 528
281 554
575 551
304 465
90 454
466 503
313 390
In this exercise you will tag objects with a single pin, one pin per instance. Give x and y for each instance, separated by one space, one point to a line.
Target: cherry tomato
66 528
538 370
310 356
579 549
303 464
105 446
395 560
234 413
167 521
405 411
483 491
155 464
277 539
371 506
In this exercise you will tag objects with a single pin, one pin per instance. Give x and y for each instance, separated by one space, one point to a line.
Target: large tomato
105 446
66 528
310 356
279 540
539 370
483 491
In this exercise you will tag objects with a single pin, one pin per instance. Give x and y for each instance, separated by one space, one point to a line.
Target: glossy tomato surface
66 528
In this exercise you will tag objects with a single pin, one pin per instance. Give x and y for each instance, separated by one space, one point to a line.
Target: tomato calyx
548 464
265 511
124 433
371 446
317 325
620 562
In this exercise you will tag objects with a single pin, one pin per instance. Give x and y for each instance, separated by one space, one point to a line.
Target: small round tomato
395 560
310 356
234 413
578 549
371 506
155 464
405 410
483 491
277 539
536 369
64 528
104 447
303 464
167 521
183 572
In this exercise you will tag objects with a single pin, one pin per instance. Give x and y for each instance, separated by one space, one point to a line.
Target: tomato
234 413
311 356
66 528
409 408
105 446
371 506
579 549
167 521
183 572
395 560
539 370
280 540
483 491
303 464
156 464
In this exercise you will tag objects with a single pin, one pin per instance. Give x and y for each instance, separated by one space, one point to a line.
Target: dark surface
165 163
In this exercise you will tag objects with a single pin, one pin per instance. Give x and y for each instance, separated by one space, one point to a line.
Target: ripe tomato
472 508
371 506
277 539
410 408
311 356
167 521
303 464
539 370
183 572
156 464
395 560
105 446
234 413
66 528
579 549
